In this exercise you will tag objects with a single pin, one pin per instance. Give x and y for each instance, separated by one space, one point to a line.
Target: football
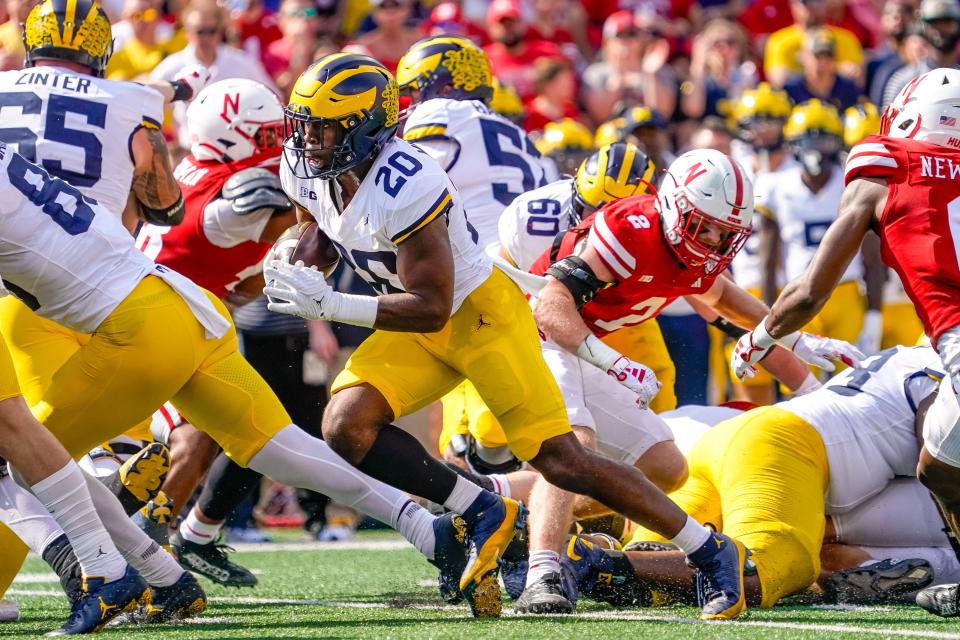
308 243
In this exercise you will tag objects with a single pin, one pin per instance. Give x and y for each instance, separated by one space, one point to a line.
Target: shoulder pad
254 188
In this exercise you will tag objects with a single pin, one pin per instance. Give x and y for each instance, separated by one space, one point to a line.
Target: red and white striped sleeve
869 159
603 238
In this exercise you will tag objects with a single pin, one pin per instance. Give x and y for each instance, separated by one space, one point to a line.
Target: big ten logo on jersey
189 174
939 167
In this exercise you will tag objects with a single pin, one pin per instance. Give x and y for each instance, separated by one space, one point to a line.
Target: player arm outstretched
803 298
571 283
425 269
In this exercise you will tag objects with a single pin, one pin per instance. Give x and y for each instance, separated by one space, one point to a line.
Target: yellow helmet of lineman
75 31
859 122
759 114
351 98
616 171
506 101
813 117
609 132
451 62
564 135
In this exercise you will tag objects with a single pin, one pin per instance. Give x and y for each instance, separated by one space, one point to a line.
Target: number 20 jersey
626 234
404 191
78 127
920 224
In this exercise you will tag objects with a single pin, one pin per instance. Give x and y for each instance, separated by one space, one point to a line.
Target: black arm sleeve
577 276
166 217
728 327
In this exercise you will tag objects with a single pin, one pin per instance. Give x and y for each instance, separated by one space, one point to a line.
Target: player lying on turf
769 476
901 185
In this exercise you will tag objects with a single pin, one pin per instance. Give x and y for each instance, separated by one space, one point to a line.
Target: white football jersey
492 160
529 224
866 419
804 217
78 127
747 266
64 255
404 190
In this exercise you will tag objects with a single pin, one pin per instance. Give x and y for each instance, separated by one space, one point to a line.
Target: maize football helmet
760 108
860 121
705 190
437 62
815 134
616 171
567 142
75 31
342 111
233 119
507 102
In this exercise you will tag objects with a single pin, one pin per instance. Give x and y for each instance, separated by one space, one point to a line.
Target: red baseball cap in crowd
618 22
500 9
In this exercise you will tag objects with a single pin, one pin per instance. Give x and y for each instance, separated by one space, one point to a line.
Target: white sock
156 566
65 495
199 532
691 536
540 564
416 525
501 484
463 495
26 516
295 458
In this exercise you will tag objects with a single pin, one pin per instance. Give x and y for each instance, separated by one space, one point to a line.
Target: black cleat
451 555
879 582
211 561
940 600
545 596
183 599
103 601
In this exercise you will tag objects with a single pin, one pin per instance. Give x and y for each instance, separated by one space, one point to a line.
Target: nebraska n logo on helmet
75 31
706 191
342 111
234 119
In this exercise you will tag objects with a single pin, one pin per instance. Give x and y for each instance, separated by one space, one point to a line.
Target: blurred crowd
589 60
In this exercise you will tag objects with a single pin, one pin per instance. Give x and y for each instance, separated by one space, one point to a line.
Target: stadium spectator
720 68
11 42
852 17
392 36
782 55
556 89
819 78
939 24
712 133
896 22
205 24
289 56
447 19
632 69
564 23
256 27
515 47
647 129
150 41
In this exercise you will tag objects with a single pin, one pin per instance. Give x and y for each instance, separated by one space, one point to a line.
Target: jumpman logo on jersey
483 323
100 551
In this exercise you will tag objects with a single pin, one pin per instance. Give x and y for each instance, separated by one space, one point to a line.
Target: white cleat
9 611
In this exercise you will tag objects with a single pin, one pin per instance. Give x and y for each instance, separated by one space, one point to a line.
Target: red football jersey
185 247
920 225
627 236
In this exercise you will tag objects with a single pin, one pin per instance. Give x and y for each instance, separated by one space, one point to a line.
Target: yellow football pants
900 325
760 477
465 412
151 349
12 550
492 341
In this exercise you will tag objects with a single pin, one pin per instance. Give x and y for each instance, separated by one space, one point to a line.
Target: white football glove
750 350
193 77
638 378
872 332
303 291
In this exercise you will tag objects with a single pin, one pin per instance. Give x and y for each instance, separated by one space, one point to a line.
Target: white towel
214 324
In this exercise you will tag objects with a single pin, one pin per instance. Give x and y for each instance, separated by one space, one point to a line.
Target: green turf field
378 588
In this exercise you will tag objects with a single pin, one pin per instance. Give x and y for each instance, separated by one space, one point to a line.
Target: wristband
763 339
810 384
594 351
873 321
356 310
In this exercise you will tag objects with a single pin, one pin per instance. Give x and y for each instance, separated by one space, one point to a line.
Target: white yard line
594 615
348 545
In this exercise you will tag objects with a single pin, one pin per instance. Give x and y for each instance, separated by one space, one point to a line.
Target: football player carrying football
903 184
443 314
